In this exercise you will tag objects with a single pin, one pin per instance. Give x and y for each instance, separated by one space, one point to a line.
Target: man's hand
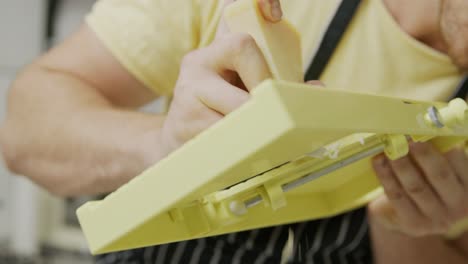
215 81
36 140
426 192
271 9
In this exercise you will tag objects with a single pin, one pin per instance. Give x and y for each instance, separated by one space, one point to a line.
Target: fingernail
276 11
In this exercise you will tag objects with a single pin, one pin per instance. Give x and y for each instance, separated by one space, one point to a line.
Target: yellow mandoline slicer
292 153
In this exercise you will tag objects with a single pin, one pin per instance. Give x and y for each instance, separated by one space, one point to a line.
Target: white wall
21 30
4 176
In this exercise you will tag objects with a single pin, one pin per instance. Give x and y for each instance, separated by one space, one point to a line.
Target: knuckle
444 173
394 194
416 188
186 91
197 111
402 165
432 226
382 170
186 104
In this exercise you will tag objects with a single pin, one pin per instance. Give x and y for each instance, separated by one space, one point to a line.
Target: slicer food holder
292 153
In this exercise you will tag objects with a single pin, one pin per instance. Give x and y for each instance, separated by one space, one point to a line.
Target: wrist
152 145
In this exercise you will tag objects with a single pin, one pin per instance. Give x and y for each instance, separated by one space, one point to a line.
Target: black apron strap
462 90
52 8
332 37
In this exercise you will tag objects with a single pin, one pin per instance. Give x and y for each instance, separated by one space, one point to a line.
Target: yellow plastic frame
184 196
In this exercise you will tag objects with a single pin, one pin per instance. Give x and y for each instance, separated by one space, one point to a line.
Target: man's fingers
238 53
405 208
459 162
210 117
271 10
221 96
439 173
416 187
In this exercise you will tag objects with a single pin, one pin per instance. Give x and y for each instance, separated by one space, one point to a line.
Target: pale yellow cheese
279 42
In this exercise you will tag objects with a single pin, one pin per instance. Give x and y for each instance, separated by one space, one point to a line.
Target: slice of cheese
280 42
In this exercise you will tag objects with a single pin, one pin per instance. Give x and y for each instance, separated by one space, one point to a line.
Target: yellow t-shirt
150 37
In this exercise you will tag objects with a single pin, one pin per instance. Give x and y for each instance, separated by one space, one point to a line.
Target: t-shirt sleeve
148 37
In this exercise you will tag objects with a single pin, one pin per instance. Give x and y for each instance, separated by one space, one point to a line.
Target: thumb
383 212
271 10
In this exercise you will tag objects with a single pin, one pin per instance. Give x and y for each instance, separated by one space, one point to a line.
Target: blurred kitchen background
34 226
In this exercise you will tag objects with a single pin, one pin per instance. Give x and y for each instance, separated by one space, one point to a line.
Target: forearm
68 138
393 247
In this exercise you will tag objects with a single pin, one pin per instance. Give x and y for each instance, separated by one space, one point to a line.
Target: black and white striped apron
340 239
